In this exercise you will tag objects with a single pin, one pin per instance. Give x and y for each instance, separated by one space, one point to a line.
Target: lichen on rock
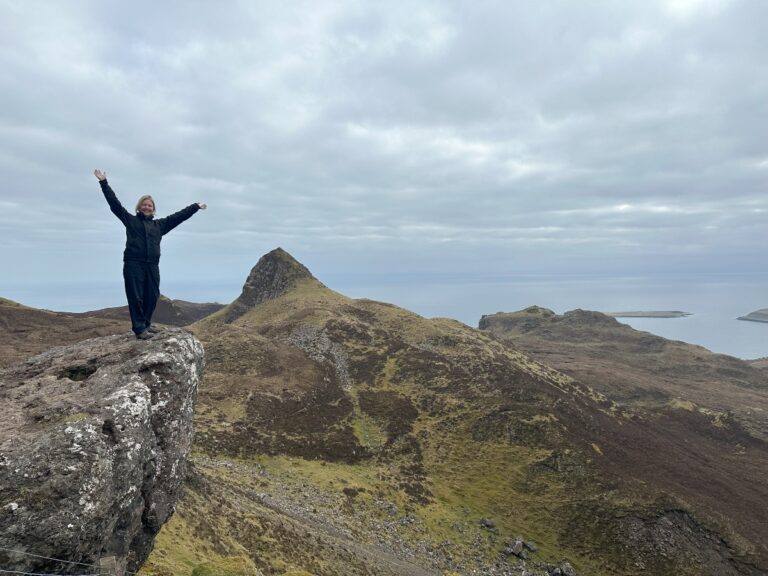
93 444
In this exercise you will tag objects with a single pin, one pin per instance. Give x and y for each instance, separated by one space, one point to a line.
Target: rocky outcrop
534 318
274 274
93 445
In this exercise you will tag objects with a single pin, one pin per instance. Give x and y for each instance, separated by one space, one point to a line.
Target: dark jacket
143 235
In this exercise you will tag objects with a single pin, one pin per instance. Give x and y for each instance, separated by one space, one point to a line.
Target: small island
756 316
650 314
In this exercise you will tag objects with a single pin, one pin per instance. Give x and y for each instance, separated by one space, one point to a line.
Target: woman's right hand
100 175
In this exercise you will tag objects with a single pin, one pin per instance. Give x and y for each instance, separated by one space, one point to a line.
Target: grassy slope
11 304
707 413
351 437
635 367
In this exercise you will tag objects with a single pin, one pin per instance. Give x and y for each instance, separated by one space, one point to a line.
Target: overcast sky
396 142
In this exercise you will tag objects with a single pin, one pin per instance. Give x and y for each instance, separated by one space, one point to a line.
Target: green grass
368 431
231 566
463 479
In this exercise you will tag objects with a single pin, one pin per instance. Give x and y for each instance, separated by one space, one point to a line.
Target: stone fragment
487 523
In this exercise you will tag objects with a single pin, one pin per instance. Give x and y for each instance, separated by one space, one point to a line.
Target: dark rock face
274 274
93 445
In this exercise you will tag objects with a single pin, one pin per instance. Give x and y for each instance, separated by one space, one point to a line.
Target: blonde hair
146 197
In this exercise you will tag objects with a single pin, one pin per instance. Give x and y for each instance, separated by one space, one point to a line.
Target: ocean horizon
714 301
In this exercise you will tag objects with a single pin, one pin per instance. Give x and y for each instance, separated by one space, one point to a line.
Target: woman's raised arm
109 194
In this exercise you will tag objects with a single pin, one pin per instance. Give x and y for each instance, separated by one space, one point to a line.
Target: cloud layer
437 138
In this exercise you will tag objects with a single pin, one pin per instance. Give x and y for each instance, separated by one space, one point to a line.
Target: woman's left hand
202 205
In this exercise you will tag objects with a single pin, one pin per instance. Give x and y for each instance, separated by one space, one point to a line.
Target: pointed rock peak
274 274
287 263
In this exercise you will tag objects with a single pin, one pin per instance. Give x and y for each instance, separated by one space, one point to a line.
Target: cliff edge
93 445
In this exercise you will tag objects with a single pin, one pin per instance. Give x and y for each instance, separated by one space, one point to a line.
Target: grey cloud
443 134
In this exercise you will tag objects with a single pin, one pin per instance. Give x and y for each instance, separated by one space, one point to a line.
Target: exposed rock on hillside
274 274
93 443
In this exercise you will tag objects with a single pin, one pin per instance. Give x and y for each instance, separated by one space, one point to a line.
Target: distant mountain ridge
168 311
25 331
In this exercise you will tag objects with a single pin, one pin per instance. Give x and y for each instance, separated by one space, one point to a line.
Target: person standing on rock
141 258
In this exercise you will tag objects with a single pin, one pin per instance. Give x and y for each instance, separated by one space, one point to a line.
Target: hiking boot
152 329
144 335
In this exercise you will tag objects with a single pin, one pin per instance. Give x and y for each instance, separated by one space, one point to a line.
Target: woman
142 253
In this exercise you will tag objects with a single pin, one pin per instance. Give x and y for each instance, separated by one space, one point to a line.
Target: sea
714 302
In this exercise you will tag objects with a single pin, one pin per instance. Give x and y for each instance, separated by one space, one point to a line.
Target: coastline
756 316
650 314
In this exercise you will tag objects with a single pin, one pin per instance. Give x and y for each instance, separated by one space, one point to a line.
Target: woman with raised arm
141 258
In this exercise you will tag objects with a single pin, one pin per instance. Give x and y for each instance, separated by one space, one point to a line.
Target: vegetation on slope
349 436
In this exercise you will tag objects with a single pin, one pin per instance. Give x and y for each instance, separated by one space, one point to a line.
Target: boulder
519 547
93 444
487 523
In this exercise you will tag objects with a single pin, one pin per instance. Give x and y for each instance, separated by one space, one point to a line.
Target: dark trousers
142 287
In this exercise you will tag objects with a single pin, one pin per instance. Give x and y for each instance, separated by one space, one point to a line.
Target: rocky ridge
93 444
341 436
168 311
273 275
